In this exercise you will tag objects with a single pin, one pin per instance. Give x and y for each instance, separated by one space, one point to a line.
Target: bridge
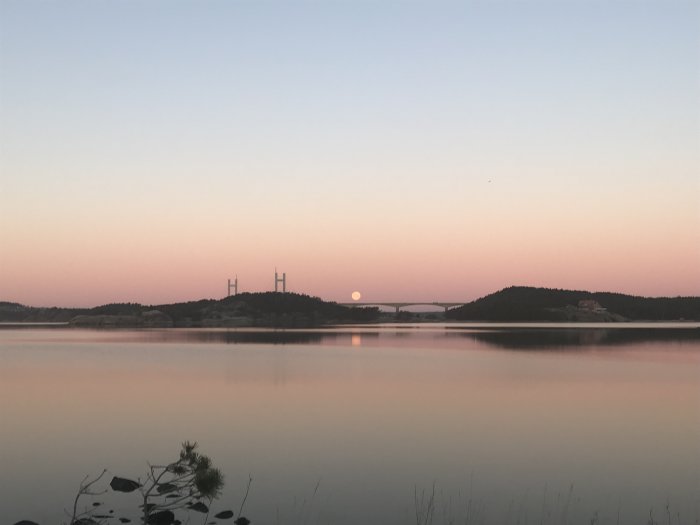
398 306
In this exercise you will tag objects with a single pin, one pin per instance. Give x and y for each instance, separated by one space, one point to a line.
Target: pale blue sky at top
470 112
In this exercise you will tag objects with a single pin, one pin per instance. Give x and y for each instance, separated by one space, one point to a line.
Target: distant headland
293 310
526 303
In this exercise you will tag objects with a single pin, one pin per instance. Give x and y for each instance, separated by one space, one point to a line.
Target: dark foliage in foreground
169 494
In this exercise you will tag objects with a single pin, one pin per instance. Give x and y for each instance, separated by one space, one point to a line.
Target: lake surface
510 424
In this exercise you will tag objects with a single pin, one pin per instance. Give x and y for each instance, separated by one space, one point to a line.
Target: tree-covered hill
272 309
291 310
523 303
18 313
265 309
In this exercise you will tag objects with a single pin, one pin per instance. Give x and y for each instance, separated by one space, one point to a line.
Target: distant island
292 310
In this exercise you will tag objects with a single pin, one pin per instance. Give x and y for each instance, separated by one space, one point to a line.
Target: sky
408 150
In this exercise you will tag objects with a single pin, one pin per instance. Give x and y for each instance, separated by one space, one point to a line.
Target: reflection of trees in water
552 338
511 338
274 337
283 337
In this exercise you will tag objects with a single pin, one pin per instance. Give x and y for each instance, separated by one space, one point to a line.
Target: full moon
356 296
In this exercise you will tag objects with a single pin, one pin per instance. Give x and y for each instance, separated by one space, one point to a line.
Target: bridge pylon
232 285
282 280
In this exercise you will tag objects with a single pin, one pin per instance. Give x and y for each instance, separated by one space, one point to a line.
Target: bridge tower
282 280
233 285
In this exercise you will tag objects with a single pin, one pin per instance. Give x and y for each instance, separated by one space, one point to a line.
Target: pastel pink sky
445 154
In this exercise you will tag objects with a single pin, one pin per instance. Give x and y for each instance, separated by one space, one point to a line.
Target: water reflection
512 337
560 339
373 411
263 337
523 338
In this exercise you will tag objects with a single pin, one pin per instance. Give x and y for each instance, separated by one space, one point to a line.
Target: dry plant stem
206 518
247 489
424 518
154 483
84 490
147 493
174 504
311 503
415 504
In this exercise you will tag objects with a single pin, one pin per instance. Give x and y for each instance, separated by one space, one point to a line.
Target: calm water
536 424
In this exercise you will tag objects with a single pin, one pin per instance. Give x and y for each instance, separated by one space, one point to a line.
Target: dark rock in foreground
123 484
164 517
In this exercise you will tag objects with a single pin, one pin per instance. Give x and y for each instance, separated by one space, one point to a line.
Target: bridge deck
399 305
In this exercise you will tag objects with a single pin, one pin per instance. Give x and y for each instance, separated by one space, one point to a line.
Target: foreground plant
190 484
178 485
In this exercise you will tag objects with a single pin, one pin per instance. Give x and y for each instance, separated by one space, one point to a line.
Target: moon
356 296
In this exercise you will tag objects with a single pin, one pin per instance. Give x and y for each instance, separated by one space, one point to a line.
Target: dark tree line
522 303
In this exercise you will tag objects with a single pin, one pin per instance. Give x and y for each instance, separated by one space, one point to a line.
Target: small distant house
590 305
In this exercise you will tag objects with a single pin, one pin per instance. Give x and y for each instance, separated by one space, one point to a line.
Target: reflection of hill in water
274 337
546 338
514 338
281 337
